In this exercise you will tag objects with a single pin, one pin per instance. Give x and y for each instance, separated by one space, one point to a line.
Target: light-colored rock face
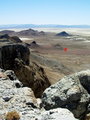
84 77
16 98
68 93
57 114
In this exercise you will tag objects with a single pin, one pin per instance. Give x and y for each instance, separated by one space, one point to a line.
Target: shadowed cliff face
32 76
8 53
16 57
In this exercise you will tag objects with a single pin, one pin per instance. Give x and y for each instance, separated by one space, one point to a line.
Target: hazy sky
65 12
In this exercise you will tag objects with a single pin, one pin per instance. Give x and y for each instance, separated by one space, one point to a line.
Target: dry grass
12 116
87 117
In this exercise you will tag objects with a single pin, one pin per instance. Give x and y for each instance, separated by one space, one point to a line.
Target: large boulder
71 92
56 114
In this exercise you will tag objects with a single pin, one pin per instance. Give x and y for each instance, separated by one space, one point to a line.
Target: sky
63 12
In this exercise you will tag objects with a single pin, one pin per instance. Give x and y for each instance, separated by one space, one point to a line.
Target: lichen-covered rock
56 114
22 100
70 92
19 99
84 77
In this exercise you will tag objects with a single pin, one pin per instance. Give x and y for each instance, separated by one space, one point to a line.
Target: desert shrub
12 116
87 117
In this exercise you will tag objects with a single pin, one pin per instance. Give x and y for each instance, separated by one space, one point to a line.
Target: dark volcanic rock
16 39
63 34
8 53
34 42
7 38
4 36
34 45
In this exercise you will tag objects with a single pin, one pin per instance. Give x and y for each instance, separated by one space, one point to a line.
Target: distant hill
9 32
63 33
7 38
28 32
41 26
34 45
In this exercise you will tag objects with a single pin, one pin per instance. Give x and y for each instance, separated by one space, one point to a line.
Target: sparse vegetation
12 116
87 117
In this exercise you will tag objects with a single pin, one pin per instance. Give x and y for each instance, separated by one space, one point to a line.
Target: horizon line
48 24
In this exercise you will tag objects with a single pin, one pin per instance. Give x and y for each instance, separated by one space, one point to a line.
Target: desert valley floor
49 52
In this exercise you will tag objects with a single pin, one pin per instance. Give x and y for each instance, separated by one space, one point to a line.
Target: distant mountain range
41 26
28 32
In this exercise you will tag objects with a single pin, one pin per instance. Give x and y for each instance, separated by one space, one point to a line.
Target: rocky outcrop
16 98
34 45
32 76
71 92
4 36
7 38
22 100
9 52
15 39
16 57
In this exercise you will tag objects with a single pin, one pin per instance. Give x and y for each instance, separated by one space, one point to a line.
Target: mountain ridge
8 26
